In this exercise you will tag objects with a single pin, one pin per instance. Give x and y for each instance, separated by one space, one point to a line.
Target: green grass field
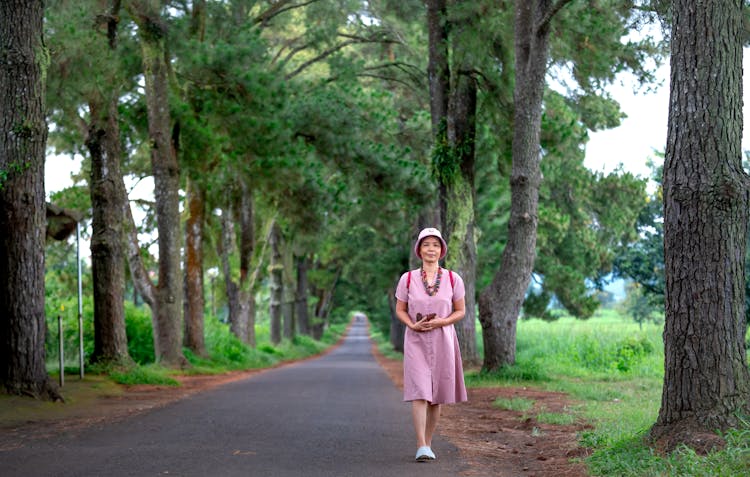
614 368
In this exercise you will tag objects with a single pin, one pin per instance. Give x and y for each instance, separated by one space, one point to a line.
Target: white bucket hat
430 232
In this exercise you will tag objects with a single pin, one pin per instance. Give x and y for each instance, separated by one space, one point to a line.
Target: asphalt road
338 415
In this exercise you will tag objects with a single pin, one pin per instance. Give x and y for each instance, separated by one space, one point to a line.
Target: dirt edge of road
497 442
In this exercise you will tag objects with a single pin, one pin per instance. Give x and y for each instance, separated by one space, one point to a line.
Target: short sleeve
402 293
459 291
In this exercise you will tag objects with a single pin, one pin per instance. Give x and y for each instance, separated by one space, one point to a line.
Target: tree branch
551 12
284 46
352 39
320 57
138 272
278 8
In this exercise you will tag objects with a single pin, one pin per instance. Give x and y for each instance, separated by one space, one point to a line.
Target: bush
140 333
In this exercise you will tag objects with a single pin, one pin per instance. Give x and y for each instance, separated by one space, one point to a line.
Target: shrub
140 333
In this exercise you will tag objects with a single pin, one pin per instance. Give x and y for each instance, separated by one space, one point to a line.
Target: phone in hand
427 318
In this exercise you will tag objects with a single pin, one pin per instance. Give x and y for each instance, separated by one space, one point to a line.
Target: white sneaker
424 454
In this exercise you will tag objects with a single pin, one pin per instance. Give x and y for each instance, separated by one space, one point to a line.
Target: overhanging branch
551 12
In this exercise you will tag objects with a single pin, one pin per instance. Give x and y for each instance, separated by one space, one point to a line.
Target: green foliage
139 331
642 306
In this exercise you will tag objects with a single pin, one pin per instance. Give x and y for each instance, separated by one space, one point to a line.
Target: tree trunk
397 327
453 109
289 329
438 75
194 311
23 136
168 298
706 381
500 303
247 247
301 311
194 300
288 309
460 196
277 283
108 200
237 311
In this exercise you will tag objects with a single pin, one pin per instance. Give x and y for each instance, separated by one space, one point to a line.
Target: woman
429 301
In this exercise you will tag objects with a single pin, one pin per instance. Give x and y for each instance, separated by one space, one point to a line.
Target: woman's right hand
420 325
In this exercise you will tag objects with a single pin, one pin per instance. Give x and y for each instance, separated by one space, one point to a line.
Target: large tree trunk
247 247
289 328
706 381
301 311
23 137
438 75
277 283
237 311
500 303
398 329
459 220
168 297
453 109
194 311
108 200
194 300
240 296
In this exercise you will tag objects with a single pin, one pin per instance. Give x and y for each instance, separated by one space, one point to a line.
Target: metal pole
213 307
80 300
62 358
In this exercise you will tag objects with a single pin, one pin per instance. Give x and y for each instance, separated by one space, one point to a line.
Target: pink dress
433 370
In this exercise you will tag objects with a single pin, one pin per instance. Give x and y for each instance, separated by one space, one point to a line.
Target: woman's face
430 249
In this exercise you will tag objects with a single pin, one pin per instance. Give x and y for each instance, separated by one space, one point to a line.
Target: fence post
80 300
62 358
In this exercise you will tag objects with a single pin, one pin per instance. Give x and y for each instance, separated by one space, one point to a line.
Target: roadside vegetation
225 352
612 368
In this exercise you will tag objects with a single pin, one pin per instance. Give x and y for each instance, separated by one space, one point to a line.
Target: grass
514 404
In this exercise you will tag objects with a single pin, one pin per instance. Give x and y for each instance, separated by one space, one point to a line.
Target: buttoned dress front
433 369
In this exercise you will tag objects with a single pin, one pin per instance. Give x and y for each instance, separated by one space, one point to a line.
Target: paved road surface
338 415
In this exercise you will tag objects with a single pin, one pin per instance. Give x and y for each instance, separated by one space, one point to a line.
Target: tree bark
301 311
438 75
247 247
453 99
706 381
288 308
194 300
240 296
398 329
500 303
460 196
152 33
108 200
237 310
277 283
23 136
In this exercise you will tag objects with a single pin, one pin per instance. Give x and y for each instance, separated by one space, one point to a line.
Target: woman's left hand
433 324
